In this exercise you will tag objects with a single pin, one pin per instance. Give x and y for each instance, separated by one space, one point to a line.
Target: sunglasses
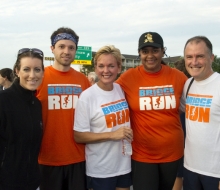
34 50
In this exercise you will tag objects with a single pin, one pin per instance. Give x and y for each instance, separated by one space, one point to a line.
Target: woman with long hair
21 124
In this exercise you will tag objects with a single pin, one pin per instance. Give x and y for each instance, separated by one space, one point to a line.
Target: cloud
28 23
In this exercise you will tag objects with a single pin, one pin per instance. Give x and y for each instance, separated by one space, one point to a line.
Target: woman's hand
90 137
123 133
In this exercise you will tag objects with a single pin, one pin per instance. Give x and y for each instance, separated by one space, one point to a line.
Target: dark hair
7 73
17 65
198 39
180 65
64 30
162 62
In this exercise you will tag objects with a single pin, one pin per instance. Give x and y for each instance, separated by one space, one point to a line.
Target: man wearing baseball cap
154 103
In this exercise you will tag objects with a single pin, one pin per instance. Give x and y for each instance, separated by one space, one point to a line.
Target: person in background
202 109
178 185
92 77
62 160
6 77
21 124
153 91
102 122
180 65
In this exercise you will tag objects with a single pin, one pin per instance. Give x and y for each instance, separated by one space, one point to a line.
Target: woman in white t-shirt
102 122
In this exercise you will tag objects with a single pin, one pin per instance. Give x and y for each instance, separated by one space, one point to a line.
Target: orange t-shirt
154 100
58 94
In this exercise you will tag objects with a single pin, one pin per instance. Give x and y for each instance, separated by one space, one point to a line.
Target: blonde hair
109 49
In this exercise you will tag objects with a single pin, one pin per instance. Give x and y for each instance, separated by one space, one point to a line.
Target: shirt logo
157 98
116 113
63 96
198 107
149 38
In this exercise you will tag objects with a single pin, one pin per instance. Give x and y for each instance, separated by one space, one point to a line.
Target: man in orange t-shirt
153 92
61 159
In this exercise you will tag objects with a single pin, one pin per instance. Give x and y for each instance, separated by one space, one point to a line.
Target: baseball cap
150 39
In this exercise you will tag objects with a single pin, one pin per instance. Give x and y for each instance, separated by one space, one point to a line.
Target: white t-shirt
202 146
101 111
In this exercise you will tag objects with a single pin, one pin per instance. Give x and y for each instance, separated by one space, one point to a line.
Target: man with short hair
62 160
6 78
92 77
202 148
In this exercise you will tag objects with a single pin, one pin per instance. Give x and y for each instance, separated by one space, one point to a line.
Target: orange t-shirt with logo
154 100
58 94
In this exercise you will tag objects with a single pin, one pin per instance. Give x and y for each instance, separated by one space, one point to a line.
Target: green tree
171 64
85 69
216 64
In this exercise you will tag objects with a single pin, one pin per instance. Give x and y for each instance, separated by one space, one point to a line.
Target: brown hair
198 39
7 73
17 65
64 30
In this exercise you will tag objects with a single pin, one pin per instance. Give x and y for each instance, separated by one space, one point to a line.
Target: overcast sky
28 23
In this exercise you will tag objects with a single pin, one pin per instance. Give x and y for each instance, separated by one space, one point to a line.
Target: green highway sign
83 55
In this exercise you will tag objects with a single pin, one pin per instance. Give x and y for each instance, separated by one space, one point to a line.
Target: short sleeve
82 117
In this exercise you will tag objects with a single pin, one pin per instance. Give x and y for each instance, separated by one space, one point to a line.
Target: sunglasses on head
34 50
